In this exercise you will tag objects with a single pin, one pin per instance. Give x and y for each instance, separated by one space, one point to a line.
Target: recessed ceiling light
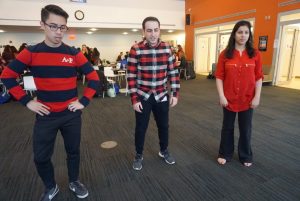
93 29
1 31
125 33
89 32
134 30
170 31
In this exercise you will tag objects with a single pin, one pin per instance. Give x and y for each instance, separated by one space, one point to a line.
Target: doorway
288 68
223 41
286 57
205 49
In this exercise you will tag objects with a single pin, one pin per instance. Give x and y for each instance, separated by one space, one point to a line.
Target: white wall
108 45
178 38
98 13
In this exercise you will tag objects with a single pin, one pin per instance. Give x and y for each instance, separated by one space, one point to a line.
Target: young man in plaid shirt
150 67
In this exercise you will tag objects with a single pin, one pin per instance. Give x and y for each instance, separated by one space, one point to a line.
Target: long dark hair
231 43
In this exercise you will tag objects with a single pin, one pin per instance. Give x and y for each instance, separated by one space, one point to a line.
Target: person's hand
75 105
138 107
38 107
255 102
223 101
173 101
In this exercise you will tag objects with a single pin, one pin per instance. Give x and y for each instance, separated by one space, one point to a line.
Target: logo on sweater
67 60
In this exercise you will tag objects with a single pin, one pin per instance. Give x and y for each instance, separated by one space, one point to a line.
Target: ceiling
81 30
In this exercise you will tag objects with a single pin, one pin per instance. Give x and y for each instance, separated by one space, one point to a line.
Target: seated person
182 64
124 63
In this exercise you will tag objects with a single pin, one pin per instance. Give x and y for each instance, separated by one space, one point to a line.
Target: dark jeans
44 135
227 135
161 114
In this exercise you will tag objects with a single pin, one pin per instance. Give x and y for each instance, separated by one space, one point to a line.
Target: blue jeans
161 114
227 135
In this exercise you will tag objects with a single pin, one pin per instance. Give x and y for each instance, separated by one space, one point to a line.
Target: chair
118 66
109 73
124 90
29 84
121 74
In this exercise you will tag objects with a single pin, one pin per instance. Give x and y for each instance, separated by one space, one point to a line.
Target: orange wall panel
265 18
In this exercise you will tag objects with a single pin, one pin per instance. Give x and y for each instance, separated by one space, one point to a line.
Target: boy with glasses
54 67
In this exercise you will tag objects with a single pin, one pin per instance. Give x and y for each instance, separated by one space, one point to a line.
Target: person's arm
92 84
132 79
132 75
220 75
12 71
222 99
255 101
9 76
258 77
173 77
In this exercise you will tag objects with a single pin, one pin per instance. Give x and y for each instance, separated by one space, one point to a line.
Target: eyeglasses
54 27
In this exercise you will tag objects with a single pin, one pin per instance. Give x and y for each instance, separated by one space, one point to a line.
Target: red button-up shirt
239 76
149 70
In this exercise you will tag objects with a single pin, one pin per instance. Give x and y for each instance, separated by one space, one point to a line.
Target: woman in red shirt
239 79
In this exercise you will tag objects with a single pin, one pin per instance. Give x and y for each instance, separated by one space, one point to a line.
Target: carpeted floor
194 139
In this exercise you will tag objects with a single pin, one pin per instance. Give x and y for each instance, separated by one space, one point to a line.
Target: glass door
205 48
223 41
288 47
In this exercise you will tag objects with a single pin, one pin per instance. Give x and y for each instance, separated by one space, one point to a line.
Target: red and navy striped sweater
55 75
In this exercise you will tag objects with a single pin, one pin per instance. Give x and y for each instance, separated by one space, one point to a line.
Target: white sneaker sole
138 168
55 192
79 196
162 156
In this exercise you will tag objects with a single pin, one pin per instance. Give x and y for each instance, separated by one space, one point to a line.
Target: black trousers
227 135
161 114
44 135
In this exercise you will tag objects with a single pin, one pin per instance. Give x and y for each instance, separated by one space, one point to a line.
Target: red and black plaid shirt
149 70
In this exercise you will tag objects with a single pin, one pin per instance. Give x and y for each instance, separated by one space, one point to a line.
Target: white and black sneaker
79 189
49 194
167 157
137 162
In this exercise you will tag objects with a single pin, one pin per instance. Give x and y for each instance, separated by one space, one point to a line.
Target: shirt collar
145 42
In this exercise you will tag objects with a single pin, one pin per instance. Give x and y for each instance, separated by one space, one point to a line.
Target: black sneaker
79 189
49 194
137 163
167 156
